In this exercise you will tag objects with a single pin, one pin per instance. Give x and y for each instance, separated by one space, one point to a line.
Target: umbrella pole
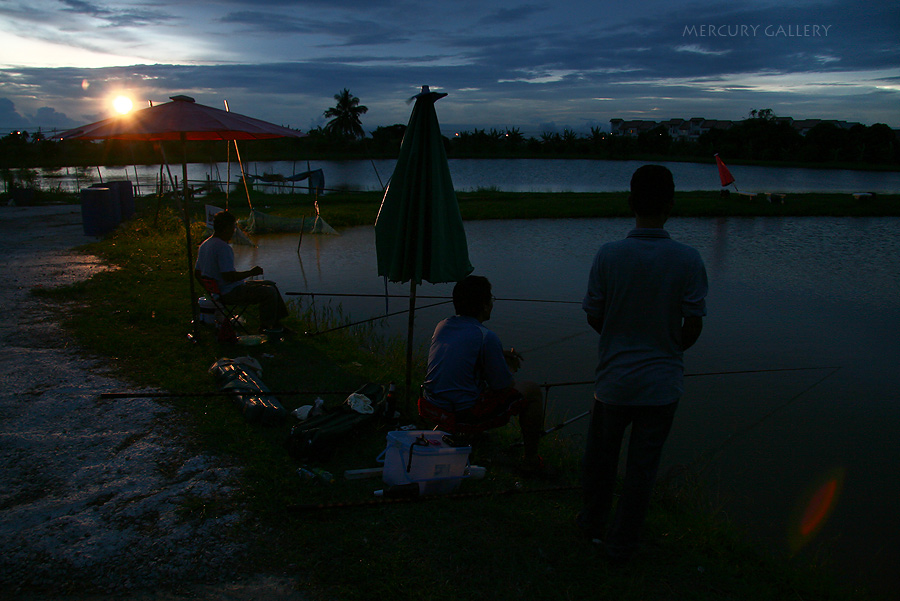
409 339
243 175
187 232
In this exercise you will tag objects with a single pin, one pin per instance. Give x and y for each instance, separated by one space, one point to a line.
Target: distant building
691 129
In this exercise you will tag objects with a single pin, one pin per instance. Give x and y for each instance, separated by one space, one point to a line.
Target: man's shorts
495 407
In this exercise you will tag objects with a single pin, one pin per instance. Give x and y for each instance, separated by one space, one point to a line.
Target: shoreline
155 318
87 505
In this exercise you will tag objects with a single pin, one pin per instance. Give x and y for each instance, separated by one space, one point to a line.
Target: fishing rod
336 294
376 318
221 393
548 385
558 426
410 498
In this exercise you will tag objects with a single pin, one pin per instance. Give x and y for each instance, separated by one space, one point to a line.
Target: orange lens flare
814 508
818 508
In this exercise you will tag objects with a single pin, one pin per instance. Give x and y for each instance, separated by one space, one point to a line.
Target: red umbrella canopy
181 119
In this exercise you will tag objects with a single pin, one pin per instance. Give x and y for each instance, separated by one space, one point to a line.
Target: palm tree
345 116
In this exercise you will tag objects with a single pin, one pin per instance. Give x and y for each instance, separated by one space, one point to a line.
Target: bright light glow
814 508
818 508
122 104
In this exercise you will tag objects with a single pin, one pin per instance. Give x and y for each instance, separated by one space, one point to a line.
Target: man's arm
235 276
690 331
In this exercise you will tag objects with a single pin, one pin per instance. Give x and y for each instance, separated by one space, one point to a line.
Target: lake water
512 175
818 293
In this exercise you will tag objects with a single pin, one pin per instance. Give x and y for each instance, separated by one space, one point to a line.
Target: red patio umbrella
182 120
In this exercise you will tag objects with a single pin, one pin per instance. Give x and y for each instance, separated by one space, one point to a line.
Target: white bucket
207 310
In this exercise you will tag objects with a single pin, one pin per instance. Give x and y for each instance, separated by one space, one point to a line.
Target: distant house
804 125
692 129
631 128
679 129
785 120
673 126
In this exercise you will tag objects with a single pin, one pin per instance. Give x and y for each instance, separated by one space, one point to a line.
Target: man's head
652 191
223 224
472 297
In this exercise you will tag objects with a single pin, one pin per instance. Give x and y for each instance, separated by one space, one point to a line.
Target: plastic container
422 457
123 190
207 310
100 211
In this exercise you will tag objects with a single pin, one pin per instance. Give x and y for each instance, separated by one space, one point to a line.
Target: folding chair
230 314
448 422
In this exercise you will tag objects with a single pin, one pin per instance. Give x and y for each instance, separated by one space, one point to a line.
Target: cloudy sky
537 65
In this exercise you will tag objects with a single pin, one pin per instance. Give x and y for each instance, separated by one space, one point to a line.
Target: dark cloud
262 22
46 119
348 32
114 17
10 119
506 16
524 63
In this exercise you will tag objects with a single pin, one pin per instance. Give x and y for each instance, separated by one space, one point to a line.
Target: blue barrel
100 211
124 192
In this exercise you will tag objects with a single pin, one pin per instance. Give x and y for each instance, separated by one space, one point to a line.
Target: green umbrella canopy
419 232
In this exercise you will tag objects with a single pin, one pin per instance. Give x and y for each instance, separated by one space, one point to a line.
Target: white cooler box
421 456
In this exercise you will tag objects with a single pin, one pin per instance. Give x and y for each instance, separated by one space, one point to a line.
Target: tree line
762 137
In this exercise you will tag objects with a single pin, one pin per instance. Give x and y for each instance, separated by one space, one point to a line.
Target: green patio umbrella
419 232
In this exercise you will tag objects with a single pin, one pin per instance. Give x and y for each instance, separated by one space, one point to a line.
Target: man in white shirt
215 259
646 298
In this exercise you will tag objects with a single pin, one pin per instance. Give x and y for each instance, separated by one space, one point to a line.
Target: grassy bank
505 543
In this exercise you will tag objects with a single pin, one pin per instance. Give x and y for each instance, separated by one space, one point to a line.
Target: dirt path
94 493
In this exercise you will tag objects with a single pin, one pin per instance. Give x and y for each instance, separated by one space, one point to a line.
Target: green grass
506 543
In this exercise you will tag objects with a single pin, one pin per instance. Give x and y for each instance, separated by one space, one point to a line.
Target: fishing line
557 341
376 318
549 385
425 296
708 456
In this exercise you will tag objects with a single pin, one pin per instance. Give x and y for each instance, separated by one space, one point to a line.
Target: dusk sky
531 64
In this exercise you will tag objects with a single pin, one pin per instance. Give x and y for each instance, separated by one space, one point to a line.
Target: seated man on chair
215 259
470 374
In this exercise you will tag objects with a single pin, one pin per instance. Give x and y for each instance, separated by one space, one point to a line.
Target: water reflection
804 292
511 175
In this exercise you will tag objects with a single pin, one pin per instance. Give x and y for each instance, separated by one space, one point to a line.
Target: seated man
215 259
469 372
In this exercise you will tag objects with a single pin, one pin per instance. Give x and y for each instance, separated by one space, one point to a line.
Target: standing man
215 259
646 298
470 373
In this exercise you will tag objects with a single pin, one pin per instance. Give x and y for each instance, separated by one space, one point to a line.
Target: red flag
724 174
